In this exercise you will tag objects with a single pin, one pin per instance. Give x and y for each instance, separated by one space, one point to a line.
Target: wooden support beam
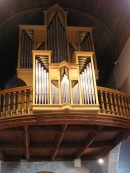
27 143
90 139
58 143
101 145
52 146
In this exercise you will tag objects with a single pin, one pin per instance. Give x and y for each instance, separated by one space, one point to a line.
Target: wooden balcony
52 136
18 102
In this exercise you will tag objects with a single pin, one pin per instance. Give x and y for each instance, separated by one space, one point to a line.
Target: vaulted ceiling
110 19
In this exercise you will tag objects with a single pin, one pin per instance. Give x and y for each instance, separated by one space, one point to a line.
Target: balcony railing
114 102
18 101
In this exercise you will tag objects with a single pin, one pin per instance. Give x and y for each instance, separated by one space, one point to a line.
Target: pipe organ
53 36
64 86
60 62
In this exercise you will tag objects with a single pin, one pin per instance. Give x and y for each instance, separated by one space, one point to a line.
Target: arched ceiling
110 19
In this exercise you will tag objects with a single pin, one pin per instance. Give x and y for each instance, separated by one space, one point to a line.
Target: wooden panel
39 35
72 36
73 74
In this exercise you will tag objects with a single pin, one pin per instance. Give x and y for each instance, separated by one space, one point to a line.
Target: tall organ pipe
87 85
36 81
22 51
41 83
57 40
26 48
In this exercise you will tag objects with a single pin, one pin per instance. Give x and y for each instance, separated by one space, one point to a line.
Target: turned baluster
115 103
119 104
25 101
107 103
102 102
111 104
19 102
14 103
123 105
8 104
4 104
30 100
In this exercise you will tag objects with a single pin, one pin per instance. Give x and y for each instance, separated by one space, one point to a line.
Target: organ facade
60 62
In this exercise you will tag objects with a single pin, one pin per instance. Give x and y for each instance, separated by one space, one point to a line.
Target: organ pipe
41 75
87 85
65 89
26 48
56 40
86 44
55 94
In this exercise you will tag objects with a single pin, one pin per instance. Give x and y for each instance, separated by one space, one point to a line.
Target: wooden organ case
60 62
63 86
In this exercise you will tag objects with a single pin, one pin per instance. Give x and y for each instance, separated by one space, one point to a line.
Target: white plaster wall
124 158
122 69
114 159
56 167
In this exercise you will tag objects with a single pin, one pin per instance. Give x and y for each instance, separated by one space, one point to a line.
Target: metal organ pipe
39 81
87 85
36 80
75 94
86 44
54 41
92 84
57 40
45 92
54 94
22 50
26 48
27 52
41 78
60 42
47 86
42 90
65 91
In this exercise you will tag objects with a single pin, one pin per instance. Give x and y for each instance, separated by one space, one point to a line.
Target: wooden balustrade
114 102
18 101
15 101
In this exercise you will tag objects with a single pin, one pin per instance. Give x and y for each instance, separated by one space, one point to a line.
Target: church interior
64 86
